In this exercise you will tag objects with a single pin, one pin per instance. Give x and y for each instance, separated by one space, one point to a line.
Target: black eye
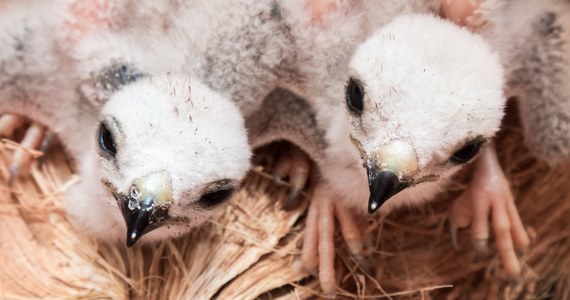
106 142
214 198
467 152
355 96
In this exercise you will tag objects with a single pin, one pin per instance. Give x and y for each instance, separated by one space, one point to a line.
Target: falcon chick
145 145
159 160
423 97
114 81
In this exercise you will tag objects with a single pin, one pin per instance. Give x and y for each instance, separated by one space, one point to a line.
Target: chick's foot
489 197
318 251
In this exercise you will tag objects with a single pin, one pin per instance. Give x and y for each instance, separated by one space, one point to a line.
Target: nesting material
251 247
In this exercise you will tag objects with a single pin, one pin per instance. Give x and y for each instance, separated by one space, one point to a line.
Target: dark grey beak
389 167
383 184
146 207
137 217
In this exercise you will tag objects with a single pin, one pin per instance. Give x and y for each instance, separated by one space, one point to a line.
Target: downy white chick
489 193
422 97
144 145
162 160
157 37
108 62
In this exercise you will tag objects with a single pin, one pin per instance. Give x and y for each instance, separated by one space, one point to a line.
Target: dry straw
250 249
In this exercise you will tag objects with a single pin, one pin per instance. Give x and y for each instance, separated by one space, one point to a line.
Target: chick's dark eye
467 152
355 96
106 141
214 198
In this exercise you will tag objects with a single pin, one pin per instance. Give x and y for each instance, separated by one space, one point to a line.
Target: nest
251 248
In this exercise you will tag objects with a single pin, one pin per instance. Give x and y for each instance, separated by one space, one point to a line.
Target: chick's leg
318 244
35 138
295 165
487 195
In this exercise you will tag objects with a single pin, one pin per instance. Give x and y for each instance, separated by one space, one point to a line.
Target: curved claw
460 216
295 165
46 143
352 235
453 233
291 199
281 169
298 174
362 263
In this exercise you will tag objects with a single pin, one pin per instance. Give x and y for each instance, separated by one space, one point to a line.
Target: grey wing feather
543 78
285 116
38 79
533 38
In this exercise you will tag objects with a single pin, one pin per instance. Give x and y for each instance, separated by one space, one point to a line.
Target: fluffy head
168 151
423 95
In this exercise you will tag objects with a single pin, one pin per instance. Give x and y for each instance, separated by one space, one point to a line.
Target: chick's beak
389 171
146 207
